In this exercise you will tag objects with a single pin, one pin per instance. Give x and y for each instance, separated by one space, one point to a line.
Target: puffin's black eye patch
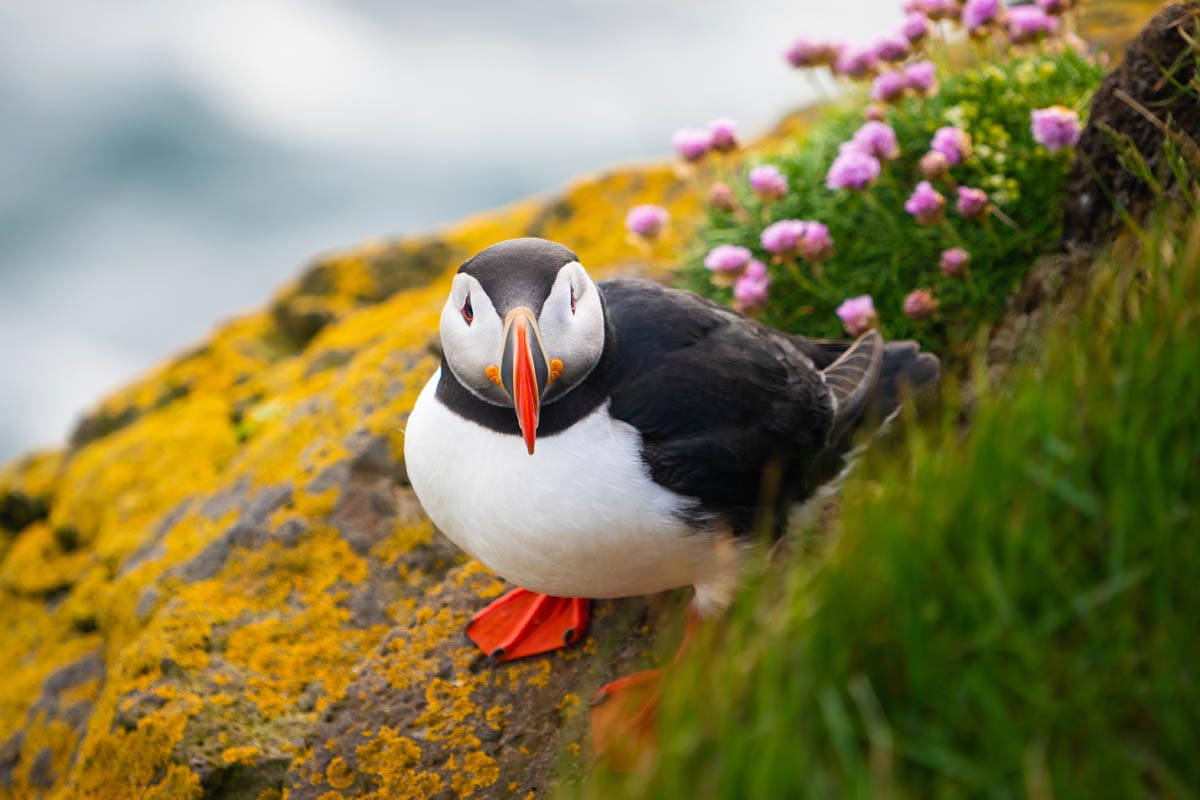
468 312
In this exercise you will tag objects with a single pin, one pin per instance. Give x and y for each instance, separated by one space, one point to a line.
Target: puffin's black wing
721 400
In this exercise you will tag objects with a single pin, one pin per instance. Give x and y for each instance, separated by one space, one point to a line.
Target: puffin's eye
572 299
468 312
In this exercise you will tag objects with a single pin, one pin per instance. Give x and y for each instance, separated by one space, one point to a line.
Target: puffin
603 439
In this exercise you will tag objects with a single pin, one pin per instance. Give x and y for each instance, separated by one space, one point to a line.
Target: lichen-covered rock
225 586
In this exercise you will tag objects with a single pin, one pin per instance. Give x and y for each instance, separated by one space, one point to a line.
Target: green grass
879 249
1007 608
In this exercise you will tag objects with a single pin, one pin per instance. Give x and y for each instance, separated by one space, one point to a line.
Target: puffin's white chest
579 518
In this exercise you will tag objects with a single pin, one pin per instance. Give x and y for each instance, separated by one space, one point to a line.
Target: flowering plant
926 169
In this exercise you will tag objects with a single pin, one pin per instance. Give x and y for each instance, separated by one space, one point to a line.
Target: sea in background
166 165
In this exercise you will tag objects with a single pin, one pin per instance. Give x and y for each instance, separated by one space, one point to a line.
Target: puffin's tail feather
903 369
852 379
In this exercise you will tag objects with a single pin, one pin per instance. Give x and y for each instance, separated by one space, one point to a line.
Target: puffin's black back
720 400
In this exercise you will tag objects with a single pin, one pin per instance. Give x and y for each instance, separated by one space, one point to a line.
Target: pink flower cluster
693 144
882 61
751 282
952 143
876 140
789 238
926 204
980 15
647 221
859 161
1055 128
1030 24
751 290
919 304
768 183
858 314
853 170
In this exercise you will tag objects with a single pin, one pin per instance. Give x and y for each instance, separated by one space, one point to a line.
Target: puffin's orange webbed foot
624 714
625 711
522 623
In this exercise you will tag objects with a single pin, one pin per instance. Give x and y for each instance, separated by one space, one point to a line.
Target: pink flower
1056 128
934 165
1029 23
915 27
972 203
804 52
692 143
721 198
727 258
817 244
830 52
723 133
926 204
875 112
889 87
853 170
919 304
954 263
876 139
892 48
978 14
921 77
646 221
857 314
784 237
953 143
1055 7
937 9
751 290
768 182
856 62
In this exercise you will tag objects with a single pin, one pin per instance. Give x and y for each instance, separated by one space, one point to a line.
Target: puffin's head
524 324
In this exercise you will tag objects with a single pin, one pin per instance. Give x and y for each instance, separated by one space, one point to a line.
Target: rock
226 587
1139 86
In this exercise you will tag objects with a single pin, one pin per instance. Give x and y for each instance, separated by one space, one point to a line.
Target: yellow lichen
240 755
570 704
497 717
478 771
339 774
252 406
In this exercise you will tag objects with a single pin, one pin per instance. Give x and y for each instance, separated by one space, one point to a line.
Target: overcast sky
166 165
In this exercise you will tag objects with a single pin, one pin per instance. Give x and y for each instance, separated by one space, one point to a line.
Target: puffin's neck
555 416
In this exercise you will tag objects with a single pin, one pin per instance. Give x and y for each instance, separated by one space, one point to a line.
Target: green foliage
1004 611
880 250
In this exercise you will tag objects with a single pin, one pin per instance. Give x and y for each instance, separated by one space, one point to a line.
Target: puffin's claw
522 623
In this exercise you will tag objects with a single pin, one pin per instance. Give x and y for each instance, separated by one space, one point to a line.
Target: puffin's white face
528 356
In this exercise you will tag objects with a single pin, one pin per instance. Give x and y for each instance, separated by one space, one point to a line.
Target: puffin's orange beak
525 370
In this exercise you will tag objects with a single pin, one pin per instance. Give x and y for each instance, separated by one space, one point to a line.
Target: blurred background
165 165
